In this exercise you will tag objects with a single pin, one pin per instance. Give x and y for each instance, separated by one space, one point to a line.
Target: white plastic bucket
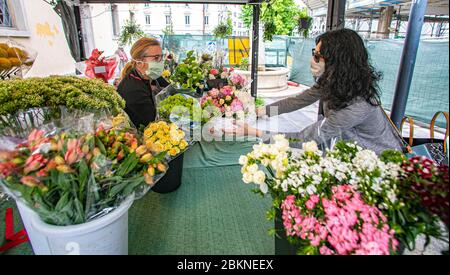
107 235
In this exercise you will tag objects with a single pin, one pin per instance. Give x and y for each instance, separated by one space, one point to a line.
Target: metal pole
255 50
408 60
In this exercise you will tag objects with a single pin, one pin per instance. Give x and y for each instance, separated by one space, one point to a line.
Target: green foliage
223 29
279 17
70 91
188 74
131 32
175 103
244 64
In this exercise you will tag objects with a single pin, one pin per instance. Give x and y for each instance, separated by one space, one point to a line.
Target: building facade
23 22
102 23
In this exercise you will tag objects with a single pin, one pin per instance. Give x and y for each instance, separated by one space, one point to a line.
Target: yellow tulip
161 167
146 158
148 179
151 170
141 150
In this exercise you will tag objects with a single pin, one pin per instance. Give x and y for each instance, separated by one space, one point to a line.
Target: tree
280 17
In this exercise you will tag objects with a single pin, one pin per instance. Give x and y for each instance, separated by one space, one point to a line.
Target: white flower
243 160
252 169
311 189
281 143
391 196
366 160
265 162
211 77
247 178
310 146
224 75
228 114
259 177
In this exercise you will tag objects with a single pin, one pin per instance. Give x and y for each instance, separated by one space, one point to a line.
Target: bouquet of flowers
229 101
346 176
163 138
100 67
73 177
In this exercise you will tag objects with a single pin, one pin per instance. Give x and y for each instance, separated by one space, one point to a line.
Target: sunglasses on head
316 55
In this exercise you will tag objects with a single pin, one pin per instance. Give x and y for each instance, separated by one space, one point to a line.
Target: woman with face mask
141 80
347 84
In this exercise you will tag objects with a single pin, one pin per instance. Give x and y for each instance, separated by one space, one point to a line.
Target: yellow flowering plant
165 137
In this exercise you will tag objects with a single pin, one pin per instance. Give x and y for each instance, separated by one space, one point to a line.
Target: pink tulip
214 71
74 152
30 181
34 162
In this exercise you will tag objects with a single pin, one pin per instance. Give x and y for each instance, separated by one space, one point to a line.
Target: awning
364 8
231 2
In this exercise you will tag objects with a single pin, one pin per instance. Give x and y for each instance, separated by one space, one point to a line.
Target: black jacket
139 97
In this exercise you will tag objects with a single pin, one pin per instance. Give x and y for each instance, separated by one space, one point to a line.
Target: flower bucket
282 245
107 235
172 179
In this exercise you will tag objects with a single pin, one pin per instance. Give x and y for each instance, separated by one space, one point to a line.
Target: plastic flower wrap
15 57
72 176
101 67
165 138
388 184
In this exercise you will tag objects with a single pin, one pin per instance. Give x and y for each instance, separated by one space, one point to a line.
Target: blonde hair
137 52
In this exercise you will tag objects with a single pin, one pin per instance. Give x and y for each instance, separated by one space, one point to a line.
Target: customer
347 85
141 81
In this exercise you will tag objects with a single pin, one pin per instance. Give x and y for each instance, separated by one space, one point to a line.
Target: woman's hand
243 129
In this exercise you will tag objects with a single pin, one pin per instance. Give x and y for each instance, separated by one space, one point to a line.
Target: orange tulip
34 162
30 181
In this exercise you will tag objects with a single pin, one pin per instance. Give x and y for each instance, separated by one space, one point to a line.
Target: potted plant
315 193
304 22
131 32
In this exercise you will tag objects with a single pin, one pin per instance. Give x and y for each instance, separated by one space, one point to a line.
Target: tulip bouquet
163 138
71 178
346 200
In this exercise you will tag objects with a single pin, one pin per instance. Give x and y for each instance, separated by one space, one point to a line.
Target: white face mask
317 69
154 69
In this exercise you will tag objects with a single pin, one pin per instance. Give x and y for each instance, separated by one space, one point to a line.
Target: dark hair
348 73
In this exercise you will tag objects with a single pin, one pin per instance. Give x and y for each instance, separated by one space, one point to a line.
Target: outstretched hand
242 129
